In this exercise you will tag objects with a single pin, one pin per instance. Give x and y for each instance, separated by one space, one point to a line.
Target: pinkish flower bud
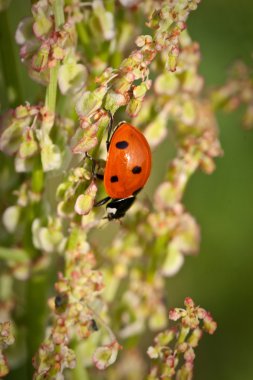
175 314
209 324
189 355
201 313
189 302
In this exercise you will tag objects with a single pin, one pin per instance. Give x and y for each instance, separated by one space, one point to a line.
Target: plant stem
36 309
9 63
79 372
58 13
51 95
40 281
85 40
51 92
110 6
183 334
13 254
156 258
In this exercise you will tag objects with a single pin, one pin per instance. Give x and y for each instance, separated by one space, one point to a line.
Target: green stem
156 257
9 63
39 281
36 309
183 334
51 92
85 40
79 372
58 13
14 254
51 96
110 6
82 33
36 314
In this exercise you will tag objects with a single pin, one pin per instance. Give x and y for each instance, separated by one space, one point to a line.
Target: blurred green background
220 277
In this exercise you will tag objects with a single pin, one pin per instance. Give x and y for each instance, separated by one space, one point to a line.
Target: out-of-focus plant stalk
36 298
36 314
84 38
37 290
110 5
8 57
16 254
156 257
79 372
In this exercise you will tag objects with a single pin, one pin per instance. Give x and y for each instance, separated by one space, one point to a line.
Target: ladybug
127 168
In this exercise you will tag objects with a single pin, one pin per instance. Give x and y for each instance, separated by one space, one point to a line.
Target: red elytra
128 162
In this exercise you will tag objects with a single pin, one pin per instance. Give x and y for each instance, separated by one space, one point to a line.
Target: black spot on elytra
114 178
136 170
122 144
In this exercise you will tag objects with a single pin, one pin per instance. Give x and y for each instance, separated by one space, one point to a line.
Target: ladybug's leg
110 130
94 163
102 202
93 160
99 176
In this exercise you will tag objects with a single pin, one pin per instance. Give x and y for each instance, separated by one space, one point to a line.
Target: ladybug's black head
117 208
